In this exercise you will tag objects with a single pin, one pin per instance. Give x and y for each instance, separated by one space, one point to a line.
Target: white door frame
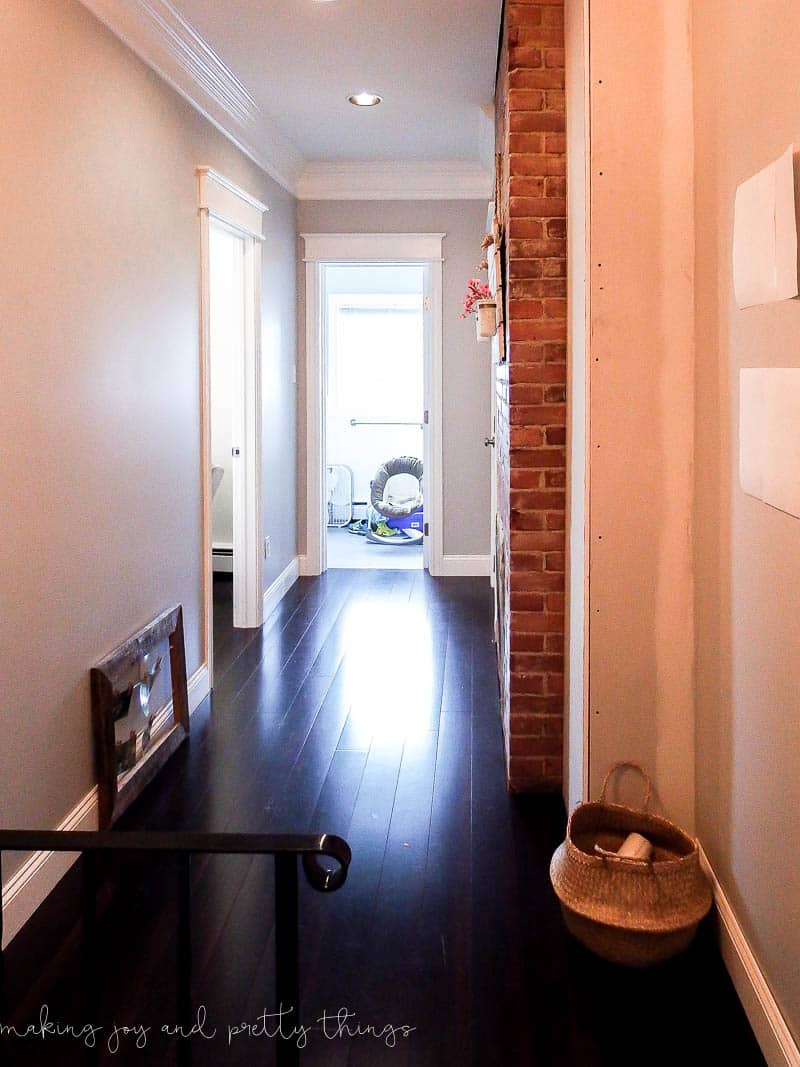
221 201
364 248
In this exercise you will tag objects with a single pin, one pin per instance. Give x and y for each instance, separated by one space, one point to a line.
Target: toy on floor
395 515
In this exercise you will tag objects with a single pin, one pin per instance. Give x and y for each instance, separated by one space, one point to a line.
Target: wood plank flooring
366 706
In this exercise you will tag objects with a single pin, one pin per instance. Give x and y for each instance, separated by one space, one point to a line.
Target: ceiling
432 61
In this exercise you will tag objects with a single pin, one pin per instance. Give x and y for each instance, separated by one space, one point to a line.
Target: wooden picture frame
113 682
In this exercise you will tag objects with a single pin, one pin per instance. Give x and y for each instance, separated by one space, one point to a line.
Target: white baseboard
773 1035
282 584
42 871
306 566
468 566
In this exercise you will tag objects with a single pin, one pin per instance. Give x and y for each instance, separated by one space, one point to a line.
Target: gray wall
99 407
747 563
466 364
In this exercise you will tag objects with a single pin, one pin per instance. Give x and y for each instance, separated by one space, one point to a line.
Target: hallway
446 924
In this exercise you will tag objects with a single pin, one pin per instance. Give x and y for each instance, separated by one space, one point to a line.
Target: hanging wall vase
486 318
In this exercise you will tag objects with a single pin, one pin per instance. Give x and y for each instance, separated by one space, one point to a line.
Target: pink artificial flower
476 290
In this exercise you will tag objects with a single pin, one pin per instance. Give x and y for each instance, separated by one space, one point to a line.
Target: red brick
527 394
537 207
529 436
556 186
527 186
535 79
527 268
526 57
536 746
540 36
537 288
534 330
537 500
536 121
534 372
526 100
543 166
531 662
545 581
532 249
551 267
555 309
533 684
524 542
529 642
554 57
551 415
555 394
555 142
552 16
528 520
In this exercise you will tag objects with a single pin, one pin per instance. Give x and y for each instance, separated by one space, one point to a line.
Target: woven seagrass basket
630 911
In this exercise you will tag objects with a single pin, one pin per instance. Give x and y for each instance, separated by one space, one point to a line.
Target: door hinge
426 530
426 417
426 303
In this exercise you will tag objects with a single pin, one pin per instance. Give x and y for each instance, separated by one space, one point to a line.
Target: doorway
374 382
231 387
373 401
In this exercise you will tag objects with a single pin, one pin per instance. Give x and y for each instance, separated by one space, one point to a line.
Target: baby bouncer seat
396 505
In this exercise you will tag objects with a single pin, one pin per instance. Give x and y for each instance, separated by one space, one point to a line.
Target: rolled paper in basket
635 847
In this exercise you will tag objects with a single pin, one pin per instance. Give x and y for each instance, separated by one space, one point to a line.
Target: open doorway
373 345
416 297
231 375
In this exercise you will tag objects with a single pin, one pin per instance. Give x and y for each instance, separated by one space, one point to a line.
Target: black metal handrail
311 848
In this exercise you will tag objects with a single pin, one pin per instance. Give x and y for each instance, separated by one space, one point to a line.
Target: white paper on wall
769 436
765 235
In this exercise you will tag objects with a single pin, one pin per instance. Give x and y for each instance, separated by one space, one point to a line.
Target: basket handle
628 763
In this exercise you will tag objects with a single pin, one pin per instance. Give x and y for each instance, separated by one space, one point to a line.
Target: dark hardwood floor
366 706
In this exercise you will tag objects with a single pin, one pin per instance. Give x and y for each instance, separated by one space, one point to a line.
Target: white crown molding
160 36
221 198
444 180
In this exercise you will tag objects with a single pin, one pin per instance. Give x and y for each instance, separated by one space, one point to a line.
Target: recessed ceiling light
365 99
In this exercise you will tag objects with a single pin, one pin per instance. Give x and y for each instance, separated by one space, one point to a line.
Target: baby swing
395 514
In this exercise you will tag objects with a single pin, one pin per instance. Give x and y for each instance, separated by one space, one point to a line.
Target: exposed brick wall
531 400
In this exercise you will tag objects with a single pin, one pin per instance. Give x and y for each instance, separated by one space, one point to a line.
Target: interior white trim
280 586
157 32
226 201
478 566
324 248
773 1035
220 200
439 180
42 871
373 247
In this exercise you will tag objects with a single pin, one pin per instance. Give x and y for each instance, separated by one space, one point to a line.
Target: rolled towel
635 847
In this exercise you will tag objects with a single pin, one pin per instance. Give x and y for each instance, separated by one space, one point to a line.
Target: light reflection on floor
393 667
